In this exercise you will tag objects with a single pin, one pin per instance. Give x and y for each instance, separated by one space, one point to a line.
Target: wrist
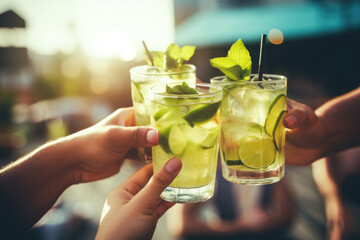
324 135
62 164
33 183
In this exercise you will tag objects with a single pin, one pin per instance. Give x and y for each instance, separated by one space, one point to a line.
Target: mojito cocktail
142 77
252 132
189 126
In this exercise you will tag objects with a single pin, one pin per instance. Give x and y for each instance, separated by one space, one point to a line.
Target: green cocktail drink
142 77
252 132
164 67
189 126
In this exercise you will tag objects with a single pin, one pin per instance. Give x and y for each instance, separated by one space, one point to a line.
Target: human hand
131 211
101 149
305 134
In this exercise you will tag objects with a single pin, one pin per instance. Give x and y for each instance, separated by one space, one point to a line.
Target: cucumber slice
276 107
278 130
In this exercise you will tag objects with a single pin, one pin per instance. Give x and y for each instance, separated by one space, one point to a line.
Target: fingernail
173 165
291 120
152 136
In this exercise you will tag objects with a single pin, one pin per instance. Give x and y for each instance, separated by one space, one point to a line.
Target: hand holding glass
189 126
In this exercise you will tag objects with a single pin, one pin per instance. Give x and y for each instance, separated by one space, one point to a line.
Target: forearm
324 178
341 119
31 185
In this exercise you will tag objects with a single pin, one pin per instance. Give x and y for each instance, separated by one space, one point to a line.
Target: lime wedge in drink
195 135
257 152
279 130
275 109
202 113
138 97
211 139
177 140
164 138
160 113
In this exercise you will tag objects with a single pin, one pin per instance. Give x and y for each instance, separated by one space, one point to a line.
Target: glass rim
141 70
185 96
274 78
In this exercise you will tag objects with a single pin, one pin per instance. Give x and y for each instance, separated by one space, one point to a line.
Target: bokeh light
71 68
99 85
276 36
101 29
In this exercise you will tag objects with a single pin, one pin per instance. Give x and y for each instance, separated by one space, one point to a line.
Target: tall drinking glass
252 133
189 126
142 77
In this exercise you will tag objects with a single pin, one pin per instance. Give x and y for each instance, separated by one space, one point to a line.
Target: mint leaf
173 51
237 64
240 55
173 57
170 62
186 53
227 66
158 58
180 89
245 75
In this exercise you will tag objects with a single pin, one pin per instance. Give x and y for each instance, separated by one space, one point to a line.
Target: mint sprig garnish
180 89
173 57
237 64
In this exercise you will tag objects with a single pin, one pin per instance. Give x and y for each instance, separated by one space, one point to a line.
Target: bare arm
333 127
323 171
341 118
31 185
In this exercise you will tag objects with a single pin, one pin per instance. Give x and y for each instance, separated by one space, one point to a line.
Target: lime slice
202 113
164 138
194 134
257 152
177 140
279 130
275 109
137 93
211 139
159 113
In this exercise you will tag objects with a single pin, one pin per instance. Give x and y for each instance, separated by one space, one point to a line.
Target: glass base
188 195
253 177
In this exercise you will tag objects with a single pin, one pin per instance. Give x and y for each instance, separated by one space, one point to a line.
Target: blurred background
64 65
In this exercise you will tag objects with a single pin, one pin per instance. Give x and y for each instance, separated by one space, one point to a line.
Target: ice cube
256 106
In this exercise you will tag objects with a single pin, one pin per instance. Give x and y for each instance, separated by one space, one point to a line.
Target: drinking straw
261 56
148 53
